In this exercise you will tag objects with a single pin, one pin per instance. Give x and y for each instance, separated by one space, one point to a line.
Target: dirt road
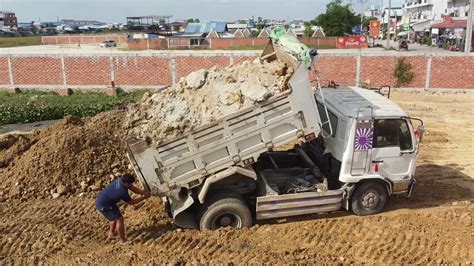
434 226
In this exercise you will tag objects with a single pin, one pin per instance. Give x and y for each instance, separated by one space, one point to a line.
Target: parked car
109 43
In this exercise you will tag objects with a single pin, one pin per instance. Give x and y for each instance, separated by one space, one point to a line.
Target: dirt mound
74 155
205 96
11 146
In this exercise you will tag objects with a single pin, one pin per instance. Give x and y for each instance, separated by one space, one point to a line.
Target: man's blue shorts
112 213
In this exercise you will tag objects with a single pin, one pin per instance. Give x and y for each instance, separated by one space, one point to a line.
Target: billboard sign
374 30
352 42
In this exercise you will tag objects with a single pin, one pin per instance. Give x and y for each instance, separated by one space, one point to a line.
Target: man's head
128 180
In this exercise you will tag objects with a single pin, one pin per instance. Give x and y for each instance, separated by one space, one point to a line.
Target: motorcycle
403 44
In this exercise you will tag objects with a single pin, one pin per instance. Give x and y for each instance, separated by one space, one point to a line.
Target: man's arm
136 190
145 196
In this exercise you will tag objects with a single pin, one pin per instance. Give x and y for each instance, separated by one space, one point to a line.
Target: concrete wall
219 43
231 42
157 69
82 39
157 44
147 44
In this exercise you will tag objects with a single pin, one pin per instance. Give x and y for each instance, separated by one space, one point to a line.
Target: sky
225 10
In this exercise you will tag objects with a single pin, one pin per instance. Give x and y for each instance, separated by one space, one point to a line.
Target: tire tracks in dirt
57 231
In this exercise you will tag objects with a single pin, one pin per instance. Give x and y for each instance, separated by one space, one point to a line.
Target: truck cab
365 153
371 139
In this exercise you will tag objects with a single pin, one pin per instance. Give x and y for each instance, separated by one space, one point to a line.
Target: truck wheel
225 211
369 198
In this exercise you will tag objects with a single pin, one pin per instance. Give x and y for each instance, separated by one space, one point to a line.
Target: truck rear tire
225 210
368 198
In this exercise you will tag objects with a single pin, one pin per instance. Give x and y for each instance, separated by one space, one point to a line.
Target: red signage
448 19
351 42
374 30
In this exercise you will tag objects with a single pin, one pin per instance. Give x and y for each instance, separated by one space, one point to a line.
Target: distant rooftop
150 17
206 27
80 22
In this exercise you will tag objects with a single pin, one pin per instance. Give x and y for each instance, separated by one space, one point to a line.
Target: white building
422 10
423 13
457 8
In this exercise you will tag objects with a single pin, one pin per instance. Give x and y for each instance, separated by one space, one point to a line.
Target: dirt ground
434 226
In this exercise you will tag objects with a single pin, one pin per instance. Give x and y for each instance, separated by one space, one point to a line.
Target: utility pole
468 42
389 22
362 2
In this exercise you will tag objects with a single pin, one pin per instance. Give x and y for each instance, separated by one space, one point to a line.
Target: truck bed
237 139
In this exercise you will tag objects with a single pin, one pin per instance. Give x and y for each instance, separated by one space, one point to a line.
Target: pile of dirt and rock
72 156
205 96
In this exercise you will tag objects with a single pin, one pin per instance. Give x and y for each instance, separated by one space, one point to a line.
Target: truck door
393 154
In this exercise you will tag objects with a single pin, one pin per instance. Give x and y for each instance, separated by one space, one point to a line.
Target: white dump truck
356 149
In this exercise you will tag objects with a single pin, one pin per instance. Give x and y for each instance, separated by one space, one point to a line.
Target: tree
403 72
254 33
308 32
261 25
76 29
192 20
338 19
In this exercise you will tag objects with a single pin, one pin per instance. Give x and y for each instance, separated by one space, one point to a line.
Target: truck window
324 118
392 132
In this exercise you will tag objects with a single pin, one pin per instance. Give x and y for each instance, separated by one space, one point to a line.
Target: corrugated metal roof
206 27
349 100
237 26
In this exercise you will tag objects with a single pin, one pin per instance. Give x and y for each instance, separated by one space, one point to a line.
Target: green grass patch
33 106
19 41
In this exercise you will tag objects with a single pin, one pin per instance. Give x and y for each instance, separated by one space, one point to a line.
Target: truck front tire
225 211
369 198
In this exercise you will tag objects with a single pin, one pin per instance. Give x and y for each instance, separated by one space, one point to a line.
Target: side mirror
419 133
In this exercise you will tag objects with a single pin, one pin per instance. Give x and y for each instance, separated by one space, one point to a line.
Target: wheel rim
370 199
227 220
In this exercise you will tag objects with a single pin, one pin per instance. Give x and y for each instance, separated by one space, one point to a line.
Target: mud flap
412 187
186 220
183 215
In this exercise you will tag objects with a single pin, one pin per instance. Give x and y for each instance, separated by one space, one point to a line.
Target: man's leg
120 229
112 231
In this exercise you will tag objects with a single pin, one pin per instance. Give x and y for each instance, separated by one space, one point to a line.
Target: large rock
61 189
255 92
196 79
228 94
